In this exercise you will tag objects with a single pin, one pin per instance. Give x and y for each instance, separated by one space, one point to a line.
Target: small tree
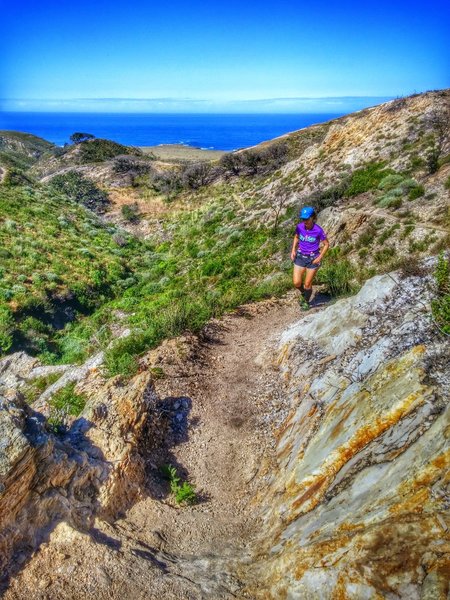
130 212
79 137
251 160
197 175
438 120
231 162
279 204
167 183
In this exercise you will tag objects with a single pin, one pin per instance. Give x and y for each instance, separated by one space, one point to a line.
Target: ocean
207 131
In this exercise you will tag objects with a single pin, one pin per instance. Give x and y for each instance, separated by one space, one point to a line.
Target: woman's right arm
294 247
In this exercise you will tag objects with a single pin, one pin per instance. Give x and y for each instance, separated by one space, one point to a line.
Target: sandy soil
222 398
180 152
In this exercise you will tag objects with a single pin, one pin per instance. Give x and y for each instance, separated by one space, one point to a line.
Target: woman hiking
307 252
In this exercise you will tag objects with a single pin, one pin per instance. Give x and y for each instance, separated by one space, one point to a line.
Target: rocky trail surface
220 396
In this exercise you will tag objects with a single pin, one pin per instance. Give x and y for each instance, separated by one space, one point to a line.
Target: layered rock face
95 470
357 505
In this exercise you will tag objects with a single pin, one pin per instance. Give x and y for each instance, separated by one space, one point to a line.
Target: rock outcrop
94 470
357 505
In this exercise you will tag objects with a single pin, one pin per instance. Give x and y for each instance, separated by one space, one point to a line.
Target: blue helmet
306 212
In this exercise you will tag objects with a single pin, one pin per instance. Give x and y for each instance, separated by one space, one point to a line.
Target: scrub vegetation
441 304
73 279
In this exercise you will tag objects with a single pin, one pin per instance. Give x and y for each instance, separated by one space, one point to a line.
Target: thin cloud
339 104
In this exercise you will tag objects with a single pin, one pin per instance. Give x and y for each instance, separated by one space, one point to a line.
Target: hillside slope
222 230
317 443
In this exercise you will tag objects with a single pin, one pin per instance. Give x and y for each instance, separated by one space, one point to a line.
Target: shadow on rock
45 479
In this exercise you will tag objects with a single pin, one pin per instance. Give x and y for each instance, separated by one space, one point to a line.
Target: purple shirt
309 239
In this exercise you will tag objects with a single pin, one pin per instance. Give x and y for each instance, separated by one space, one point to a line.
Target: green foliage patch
80 189
68 401
440 306
337 274
56 260
367 178
183 491
98 150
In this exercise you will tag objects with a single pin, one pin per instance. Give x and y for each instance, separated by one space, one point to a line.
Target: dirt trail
222 397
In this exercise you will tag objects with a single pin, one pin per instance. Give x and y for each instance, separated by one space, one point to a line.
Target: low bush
196 175
440 305
323 198
130 212
98 150
80 189
367 178
256 161
168 183
337 274
416 192
390 181
131 166
16 177
34 389
409 266
366 238
68 401
6 328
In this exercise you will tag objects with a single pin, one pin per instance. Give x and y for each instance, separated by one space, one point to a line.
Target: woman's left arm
323 251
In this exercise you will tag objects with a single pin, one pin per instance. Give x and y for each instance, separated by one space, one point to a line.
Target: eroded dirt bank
221 400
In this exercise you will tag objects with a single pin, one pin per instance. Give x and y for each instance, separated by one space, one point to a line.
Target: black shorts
305 260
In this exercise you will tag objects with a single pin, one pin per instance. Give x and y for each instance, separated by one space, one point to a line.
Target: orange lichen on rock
365 424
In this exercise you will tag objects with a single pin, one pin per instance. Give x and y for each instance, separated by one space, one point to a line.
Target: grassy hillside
58 261
18 152
211 236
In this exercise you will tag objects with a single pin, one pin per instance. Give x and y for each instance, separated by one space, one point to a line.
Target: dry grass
178 152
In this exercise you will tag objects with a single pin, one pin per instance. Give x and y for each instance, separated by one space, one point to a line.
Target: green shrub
442 274
80 189
441 312
184 492
366 238
34 389
99 150
447 183
416 192
416 162
68 401
395 203
337 274
124 364
16 177
409 228
367 178
387 233
390 181
6 328
440 306
130 212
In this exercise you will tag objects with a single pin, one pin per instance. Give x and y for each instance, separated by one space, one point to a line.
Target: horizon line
169 105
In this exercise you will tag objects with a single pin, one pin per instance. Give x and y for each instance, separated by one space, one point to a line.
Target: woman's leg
310 274
298 276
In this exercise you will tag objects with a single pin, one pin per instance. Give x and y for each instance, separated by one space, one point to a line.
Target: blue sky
283 56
